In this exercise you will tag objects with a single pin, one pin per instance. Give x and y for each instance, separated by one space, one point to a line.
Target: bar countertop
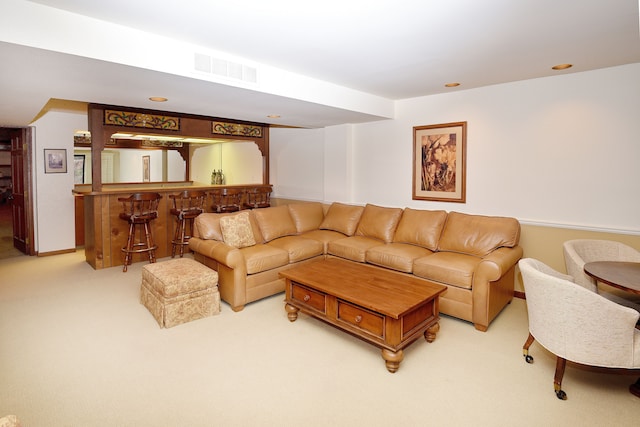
162 187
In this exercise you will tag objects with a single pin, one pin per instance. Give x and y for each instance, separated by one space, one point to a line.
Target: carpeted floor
6 233
77 349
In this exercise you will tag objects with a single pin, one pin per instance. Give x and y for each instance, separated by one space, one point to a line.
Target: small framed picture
439 162
55 161
146 168
78 168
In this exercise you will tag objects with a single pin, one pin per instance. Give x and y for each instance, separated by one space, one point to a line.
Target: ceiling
376 50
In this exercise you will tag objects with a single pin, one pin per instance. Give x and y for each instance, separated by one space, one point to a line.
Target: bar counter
105 233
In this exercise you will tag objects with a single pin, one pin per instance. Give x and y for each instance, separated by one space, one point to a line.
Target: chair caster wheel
528 359
561 395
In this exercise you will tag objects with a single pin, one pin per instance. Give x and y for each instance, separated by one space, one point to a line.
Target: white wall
561 150
54 211
297 163
241 162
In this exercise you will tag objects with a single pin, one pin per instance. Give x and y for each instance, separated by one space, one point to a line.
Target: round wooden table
621 275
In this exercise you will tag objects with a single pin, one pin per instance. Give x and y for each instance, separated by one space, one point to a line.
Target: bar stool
139 210
186 206
226 199
258 197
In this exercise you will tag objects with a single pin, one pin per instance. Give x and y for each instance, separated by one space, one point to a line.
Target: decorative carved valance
161 143
239 129
80 140
141 120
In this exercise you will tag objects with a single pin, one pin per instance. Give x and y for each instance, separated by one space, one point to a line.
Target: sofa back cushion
306 216
342 218
274 222
420 227
478 235
207 226
378 222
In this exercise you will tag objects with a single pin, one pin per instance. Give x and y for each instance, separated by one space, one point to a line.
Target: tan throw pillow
236 230
379 222
342 218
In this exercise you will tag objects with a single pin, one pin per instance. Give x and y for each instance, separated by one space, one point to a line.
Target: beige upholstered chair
576 324
581 251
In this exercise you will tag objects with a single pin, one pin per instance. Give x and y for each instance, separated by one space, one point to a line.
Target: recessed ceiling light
452 84
274 116
562 66
158 99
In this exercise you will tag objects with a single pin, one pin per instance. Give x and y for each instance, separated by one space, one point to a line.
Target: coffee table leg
392 359
430 333
292 312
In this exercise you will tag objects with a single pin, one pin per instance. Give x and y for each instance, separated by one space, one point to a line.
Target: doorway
16 218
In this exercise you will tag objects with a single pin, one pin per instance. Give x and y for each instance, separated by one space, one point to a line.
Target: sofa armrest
496 264
219 251
493 285
231 268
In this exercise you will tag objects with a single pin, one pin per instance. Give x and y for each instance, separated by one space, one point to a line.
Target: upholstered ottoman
179 291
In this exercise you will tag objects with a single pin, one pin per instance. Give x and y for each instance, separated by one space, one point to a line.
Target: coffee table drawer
363 319
308 297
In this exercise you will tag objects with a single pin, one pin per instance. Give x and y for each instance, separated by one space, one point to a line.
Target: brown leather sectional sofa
473 255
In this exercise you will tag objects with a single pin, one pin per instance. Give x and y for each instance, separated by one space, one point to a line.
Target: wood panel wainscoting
105 234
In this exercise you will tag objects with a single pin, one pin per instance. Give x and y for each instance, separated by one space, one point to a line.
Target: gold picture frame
439 162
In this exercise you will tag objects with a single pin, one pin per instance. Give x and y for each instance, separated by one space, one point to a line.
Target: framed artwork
146 168
439 162
78 168
55 161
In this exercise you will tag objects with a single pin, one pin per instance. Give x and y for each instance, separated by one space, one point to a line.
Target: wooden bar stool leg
129 247
150 244
183 235
176 235
190 223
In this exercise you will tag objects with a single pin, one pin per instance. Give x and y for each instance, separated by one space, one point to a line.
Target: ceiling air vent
223 68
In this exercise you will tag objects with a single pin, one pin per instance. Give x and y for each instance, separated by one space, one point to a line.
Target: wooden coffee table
384 308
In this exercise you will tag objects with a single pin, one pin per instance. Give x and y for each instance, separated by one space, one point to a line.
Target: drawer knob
358 319
306 298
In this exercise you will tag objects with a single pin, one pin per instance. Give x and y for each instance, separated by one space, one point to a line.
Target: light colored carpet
6 233
77 349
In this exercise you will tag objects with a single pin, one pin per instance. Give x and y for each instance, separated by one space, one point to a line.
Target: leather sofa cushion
478 235
353 248
378 222
396 256
298 248
274 222
207 226
306 216
342 218
447 267
264 257
324 236
420 227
